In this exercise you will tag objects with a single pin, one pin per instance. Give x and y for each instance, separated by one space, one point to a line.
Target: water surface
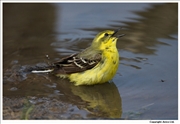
145 86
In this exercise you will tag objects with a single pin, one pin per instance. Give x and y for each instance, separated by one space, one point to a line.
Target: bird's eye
106 34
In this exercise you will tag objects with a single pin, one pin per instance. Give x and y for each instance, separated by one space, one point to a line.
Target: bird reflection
103 100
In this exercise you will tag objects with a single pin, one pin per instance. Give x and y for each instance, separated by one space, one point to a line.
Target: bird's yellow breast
101 73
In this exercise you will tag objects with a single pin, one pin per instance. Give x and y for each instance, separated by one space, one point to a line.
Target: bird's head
105 39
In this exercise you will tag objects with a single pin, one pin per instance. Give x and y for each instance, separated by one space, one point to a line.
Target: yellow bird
95 65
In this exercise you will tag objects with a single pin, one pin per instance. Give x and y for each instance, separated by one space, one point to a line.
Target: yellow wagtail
95 65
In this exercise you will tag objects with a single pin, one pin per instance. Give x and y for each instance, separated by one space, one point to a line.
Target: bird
96 64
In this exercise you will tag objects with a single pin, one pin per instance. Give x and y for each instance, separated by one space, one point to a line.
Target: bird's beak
116 31
120 35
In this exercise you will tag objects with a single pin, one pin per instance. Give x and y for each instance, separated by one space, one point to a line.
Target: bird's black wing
75 64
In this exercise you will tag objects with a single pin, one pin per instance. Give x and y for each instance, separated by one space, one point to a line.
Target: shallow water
145 86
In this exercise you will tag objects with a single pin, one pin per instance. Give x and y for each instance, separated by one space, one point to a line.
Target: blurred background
145 86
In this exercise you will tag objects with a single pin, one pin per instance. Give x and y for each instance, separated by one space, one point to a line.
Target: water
145 86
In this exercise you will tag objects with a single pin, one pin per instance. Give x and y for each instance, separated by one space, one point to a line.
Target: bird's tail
42 69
